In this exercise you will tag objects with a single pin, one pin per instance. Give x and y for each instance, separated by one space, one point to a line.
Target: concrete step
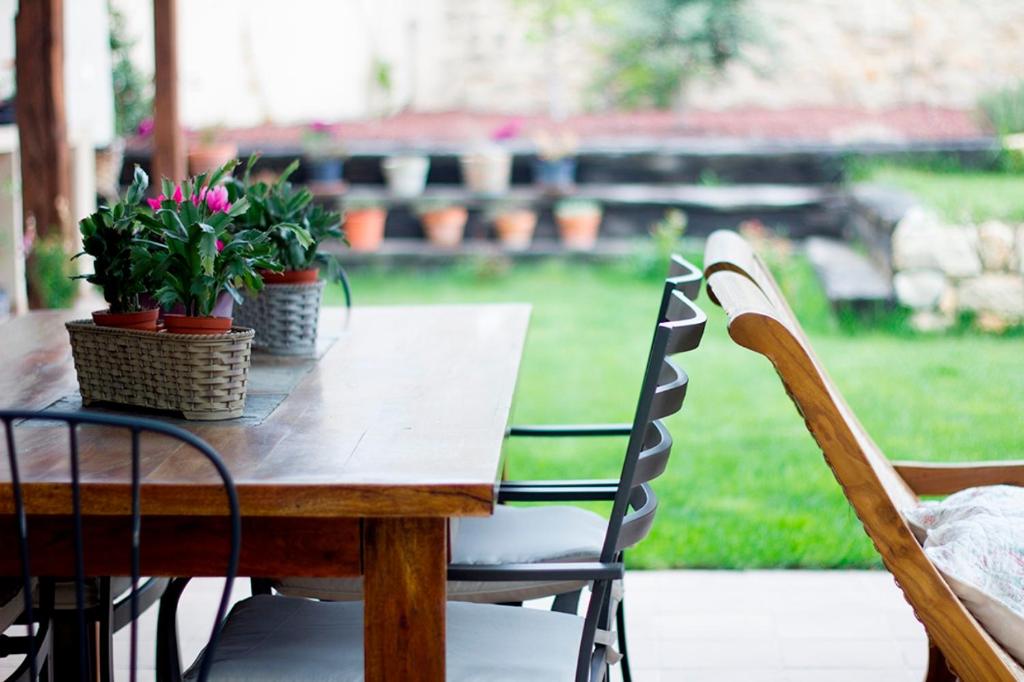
848 276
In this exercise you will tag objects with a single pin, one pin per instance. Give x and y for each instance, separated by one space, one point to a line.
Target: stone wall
942 269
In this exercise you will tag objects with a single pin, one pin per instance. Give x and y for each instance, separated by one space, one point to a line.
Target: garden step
631 210
847 275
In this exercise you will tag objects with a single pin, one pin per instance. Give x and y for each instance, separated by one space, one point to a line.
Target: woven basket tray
201 376
285 317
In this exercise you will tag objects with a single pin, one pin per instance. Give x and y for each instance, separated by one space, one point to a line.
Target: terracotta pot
515 228
364 228
206 158
579 230
144 320
186 324
445 226
308 276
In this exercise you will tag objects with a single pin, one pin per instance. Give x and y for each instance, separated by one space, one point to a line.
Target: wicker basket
201 376
285 317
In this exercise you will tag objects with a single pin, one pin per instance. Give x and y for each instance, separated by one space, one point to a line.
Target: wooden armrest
940 478
571 430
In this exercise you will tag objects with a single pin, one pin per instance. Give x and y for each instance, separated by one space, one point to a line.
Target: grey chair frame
634 502
37 647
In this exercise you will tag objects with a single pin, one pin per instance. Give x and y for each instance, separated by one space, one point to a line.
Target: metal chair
527 535
41 658
487 641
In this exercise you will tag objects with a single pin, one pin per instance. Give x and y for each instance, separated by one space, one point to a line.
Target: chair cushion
975 539
511 535
281 639
12 603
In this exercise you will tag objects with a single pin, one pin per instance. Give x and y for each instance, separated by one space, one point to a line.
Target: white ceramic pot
406 175
487 172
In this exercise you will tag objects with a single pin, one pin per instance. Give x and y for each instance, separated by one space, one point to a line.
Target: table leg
405 588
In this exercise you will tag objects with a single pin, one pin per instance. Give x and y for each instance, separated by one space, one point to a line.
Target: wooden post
168 141
39 58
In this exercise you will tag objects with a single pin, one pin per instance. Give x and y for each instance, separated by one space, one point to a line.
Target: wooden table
396 429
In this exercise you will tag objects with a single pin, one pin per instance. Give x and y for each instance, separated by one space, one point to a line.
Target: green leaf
207 248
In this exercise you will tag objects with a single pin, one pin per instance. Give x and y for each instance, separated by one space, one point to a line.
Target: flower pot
515 228
143 320
206 158
364 228
324 169
579 230
555 176
187 324
406 176
487 172
307 276
223 307
445 227
285 317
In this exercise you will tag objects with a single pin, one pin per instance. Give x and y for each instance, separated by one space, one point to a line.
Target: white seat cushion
511 535
975 539
279 639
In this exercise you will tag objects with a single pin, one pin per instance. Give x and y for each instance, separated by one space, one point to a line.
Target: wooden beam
39 57
168 141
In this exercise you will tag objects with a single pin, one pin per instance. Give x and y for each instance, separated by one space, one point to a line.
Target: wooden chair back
760 319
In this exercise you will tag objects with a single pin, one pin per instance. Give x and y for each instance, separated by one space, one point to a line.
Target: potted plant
323 152
578 222
111 236
406 174
515 224
487 168
554 169
195 255
444 222
364 223
286 313
208 152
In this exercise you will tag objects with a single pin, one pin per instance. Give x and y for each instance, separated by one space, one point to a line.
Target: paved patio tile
703 626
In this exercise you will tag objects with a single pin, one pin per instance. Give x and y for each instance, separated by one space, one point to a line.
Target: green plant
133 100
1004 109
567 207
294 224
50 274
111 236
193 252
320 140
666 236
657 46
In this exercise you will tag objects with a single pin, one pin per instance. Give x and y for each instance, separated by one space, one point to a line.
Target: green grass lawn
958 195
746 486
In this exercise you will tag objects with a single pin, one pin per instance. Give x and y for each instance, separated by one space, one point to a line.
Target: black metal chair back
36 615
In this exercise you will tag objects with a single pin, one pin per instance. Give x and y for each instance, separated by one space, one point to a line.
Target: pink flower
145 127
199 197
156 203
507 130
178 198
217 200
220 246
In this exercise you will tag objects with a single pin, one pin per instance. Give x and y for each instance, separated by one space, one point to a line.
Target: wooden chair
488 641
877 489
78 661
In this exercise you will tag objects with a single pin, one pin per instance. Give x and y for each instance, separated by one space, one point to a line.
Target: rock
920 288
929 321
995 245
1001 294
922 242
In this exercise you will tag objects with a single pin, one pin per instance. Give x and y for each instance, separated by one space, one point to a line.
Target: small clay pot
206 158
143 320
364 228
187 324
308 276
579 230
445 227
515 228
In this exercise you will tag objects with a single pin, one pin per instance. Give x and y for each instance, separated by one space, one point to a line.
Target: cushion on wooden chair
279 639
511 535
975 538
